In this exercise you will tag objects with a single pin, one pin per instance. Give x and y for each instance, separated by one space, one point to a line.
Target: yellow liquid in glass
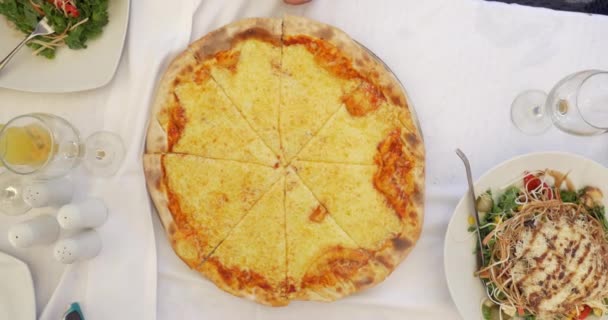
29 145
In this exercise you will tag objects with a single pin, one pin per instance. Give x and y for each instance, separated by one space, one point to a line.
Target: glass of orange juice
46 146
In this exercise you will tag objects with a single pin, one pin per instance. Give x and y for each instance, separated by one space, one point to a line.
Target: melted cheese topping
252 82
348 139
349 195
310 94
309 242
365 99
253 255
204 122
212 196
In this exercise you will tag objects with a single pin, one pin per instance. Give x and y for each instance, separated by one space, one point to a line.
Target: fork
480 258
42 29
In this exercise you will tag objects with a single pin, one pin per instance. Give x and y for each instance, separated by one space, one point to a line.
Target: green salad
74 21
545 246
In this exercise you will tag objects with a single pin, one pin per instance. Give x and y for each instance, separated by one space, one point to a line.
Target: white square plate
70 70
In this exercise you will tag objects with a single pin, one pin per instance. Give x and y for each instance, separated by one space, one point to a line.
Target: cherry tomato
531 182
70 9
585 313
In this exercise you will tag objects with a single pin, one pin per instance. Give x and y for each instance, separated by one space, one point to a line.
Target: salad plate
17 300
460 263
70 70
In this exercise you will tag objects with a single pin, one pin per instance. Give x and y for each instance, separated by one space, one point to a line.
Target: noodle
541 207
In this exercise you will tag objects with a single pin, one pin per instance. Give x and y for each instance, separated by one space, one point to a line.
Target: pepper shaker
48 193
82 246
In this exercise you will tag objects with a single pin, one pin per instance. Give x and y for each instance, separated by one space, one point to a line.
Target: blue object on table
74 312
586 6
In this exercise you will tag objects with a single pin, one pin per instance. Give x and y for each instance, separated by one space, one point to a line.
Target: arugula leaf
506 201
76 39
569 196
23 17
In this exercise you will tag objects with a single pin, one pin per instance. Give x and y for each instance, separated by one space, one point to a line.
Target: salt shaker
48 193
43 229
90 213
82 246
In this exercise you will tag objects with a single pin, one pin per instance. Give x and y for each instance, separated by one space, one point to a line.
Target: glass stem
81 150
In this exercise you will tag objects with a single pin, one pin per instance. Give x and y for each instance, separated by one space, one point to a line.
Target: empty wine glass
11 196
577 104
46 146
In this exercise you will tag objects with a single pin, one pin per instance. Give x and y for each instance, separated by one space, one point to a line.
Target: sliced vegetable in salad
75 21
546 249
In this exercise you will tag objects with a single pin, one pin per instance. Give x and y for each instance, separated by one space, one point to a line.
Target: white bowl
459 259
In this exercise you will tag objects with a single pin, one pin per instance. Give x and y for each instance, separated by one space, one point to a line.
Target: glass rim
39 117
592 73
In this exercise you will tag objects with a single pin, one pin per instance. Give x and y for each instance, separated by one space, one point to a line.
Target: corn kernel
598 312
471 220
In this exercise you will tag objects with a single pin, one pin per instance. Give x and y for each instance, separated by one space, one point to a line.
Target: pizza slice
323 262
377 95
244 58
192 106
351 139
199 200
379 206
251 261
316 76
381 98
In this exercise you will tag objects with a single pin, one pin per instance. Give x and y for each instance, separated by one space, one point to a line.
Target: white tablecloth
462 62
121 282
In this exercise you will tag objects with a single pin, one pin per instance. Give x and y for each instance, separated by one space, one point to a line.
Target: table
462 62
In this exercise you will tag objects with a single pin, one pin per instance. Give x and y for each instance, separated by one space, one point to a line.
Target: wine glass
577 104
46 146
11 196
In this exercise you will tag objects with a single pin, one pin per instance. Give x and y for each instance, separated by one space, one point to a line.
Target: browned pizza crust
294 26
224 38
400 178
184 244
156 188
396 249
243 283
340 272
369 67
156 139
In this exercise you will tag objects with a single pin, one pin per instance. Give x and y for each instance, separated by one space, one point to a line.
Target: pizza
285 162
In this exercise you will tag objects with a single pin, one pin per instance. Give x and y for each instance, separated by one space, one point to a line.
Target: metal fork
480 258
42 29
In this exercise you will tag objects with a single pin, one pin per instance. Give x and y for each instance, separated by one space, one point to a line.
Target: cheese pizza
285 162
